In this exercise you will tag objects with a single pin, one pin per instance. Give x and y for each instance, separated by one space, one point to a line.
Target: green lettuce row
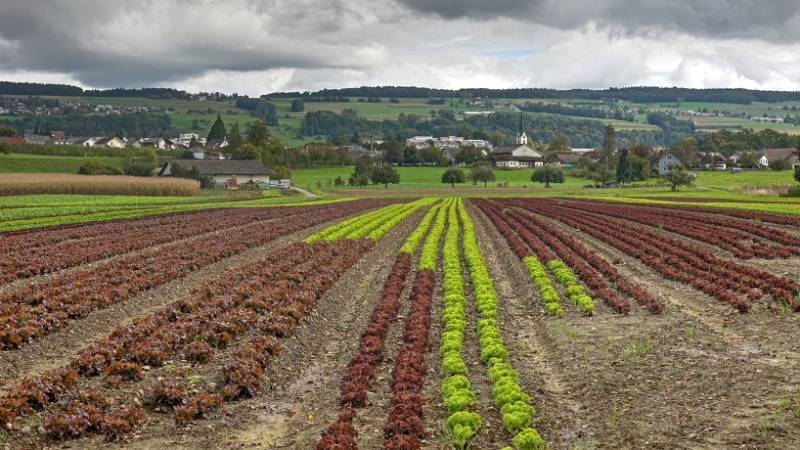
572 289
457 392
542 282
413 239
363 218
515 410
427 256
387 226
358 231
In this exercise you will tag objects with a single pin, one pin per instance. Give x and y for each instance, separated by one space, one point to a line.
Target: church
518 155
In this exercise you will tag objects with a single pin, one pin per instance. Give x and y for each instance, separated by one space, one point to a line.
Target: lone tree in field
362 173
481 172
298 105
385 175
677 176
218 130
453 175
624 170
548 174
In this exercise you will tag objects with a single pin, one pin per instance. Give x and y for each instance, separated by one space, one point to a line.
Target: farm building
226 173
790 155
111 142
518 155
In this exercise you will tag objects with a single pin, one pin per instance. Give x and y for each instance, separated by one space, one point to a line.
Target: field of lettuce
414 323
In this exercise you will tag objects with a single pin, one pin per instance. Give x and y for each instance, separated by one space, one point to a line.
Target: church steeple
522 138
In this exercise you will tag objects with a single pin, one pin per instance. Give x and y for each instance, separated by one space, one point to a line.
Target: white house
518 155
111 142
420 142
665 161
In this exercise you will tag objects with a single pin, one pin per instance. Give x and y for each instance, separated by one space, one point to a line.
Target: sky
254 47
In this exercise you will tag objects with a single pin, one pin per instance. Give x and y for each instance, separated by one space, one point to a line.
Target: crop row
348 228
587 264
29 258
590 265
360 372
457 393
743 239
267 296
676 259
44 307
404 428
516 412
530 248
758 216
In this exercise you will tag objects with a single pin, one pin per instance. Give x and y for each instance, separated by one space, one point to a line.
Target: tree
748 160
624 169
677 176
640 169
246 151
280 173
797 173
338 181
140 166
258 134
234 137
393 151
7 132
779 164
218 130
432 156
384 175
609 147
548 174
558 145
482 172
362 172
453 175
469 155
601 175
298 105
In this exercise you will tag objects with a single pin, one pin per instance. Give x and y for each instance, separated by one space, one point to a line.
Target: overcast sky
259 46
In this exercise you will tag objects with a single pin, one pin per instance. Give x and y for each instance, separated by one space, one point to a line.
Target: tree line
637 94
125 124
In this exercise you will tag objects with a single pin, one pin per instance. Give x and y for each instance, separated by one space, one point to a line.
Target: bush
793 191
779 164
140 166
93 168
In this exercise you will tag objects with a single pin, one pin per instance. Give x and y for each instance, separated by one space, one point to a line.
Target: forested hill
640 94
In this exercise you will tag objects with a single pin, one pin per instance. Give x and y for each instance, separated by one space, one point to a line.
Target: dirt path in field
700 376
56 349
300 396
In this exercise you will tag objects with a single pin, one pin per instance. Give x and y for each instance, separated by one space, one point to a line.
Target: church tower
522 138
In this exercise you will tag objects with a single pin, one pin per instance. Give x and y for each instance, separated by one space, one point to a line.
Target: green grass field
24 163
421 178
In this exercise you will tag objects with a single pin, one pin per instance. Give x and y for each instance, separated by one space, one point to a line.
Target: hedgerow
516 413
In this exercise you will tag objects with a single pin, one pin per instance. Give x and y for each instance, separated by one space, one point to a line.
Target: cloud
777 20
258 46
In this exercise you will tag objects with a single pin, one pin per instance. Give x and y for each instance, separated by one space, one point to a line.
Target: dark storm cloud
108 43
749 19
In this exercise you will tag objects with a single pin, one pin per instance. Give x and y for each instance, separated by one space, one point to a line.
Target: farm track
300 394
719 373
58 348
